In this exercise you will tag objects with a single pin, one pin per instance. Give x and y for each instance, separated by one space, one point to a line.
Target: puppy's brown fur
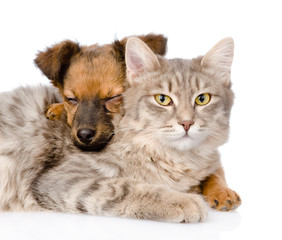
217 193
90 80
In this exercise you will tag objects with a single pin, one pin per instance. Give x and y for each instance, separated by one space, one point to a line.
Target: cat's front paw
195 209
54 111
188 208
223 199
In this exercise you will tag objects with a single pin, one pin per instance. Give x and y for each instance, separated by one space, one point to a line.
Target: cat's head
181 104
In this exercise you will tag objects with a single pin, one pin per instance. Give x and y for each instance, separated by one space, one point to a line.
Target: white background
252 157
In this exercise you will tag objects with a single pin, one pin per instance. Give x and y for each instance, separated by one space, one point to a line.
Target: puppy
90 80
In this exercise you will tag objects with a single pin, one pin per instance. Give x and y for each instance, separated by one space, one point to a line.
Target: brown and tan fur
217 193
152 163
90 81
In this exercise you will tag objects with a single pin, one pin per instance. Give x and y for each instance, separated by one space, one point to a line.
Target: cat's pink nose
186 124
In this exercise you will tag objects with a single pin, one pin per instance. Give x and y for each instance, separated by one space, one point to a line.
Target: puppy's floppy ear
55 61
156 42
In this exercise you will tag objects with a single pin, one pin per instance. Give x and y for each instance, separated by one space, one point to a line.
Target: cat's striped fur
151 163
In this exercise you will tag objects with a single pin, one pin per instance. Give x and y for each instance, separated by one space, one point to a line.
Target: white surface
252 158
65 226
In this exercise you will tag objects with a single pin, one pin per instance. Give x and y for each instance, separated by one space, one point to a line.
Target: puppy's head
91 81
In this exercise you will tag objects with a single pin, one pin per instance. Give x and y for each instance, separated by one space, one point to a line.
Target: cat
176 115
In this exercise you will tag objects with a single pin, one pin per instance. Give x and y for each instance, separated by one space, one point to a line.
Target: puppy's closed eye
112 104
72 101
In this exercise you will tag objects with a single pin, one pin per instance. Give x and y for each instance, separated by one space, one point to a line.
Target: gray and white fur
149 166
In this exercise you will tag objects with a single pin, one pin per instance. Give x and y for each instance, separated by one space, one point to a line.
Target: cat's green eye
163 100
203 99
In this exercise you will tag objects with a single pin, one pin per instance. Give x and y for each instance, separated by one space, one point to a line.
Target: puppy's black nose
86 135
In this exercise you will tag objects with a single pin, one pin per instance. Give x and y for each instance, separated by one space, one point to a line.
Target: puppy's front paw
54 111
223 199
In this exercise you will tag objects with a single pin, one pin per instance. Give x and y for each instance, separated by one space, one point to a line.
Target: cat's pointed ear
139 58
220 56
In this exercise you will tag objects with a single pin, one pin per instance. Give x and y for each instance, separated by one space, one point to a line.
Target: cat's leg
120 197
217 194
